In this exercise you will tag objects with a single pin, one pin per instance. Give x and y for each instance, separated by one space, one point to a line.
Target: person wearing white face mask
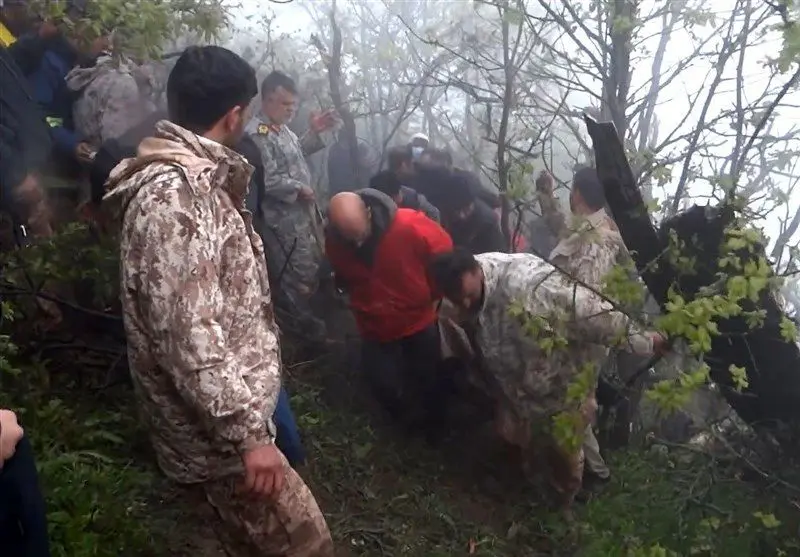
419 142
23 522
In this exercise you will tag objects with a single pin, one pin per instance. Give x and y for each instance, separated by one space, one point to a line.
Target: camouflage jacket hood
80 77
108 100
195 157
202 341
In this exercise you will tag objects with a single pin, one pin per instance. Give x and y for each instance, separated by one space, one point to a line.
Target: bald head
349 215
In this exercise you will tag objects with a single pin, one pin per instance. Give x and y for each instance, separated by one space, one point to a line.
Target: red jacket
393 296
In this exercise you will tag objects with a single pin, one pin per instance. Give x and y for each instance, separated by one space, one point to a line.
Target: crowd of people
223 246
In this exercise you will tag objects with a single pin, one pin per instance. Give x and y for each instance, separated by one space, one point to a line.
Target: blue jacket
45 63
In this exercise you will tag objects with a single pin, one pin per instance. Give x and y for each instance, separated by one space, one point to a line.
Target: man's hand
30 197
320 123
544 183
264 471
10 434
306 193
85 153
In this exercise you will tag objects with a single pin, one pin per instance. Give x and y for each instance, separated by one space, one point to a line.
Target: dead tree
333 63
772 398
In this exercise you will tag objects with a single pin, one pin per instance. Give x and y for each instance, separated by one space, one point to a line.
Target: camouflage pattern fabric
110 102
530 382
592 250
202 342
291 526
589 254
286 227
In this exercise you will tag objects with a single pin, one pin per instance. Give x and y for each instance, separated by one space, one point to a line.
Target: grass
386 495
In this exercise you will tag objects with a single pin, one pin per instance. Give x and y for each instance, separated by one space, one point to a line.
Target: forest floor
383 495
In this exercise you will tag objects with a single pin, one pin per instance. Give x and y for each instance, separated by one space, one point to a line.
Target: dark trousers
407 378
23 522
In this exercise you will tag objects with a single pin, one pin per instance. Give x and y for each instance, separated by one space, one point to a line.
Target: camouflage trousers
292 526
293 265
562 468
594 461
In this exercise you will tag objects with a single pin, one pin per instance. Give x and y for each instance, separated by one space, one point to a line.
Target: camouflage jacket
109 101
202 344
284 158
527 300
591 251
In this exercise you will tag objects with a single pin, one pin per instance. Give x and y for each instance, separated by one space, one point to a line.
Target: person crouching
380 254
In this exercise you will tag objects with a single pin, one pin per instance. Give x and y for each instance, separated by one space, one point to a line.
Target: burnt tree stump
772 399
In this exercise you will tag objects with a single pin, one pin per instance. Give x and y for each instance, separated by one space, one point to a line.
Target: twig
794 80
754 467
7 290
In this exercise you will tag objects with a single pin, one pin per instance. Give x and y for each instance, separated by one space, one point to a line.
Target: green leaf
788 329
768 520
739 376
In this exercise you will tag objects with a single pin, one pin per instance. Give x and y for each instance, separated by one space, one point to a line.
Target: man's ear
233 117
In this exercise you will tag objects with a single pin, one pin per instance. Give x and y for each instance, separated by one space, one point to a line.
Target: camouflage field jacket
202 344
526 302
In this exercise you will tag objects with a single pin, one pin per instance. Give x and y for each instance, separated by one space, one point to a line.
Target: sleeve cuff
258 439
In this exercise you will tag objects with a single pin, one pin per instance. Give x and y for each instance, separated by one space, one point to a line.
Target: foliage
77 255
83 469
384 494
141 28
790 54
680 502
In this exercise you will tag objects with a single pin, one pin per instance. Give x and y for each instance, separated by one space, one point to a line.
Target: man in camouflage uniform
202 340
514 306
286 216
589 250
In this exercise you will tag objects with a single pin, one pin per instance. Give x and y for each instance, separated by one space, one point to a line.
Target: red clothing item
393 297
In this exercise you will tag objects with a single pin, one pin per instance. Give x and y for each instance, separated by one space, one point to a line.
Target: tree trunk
772 399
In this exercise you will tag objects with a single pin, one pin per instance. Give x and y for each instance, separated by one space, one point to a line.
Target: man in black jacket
387 182
24 151
441 158
400 161
472 224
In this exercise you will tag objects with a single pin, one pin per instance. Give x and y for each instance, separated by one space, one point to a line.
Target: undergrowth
384 494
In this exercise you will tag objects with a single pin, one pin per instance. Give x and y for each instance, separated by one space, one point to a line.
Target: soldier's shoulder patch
263 129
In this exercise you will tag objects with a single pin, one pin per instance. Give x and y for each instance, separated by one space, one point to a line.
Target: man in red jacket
380 255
